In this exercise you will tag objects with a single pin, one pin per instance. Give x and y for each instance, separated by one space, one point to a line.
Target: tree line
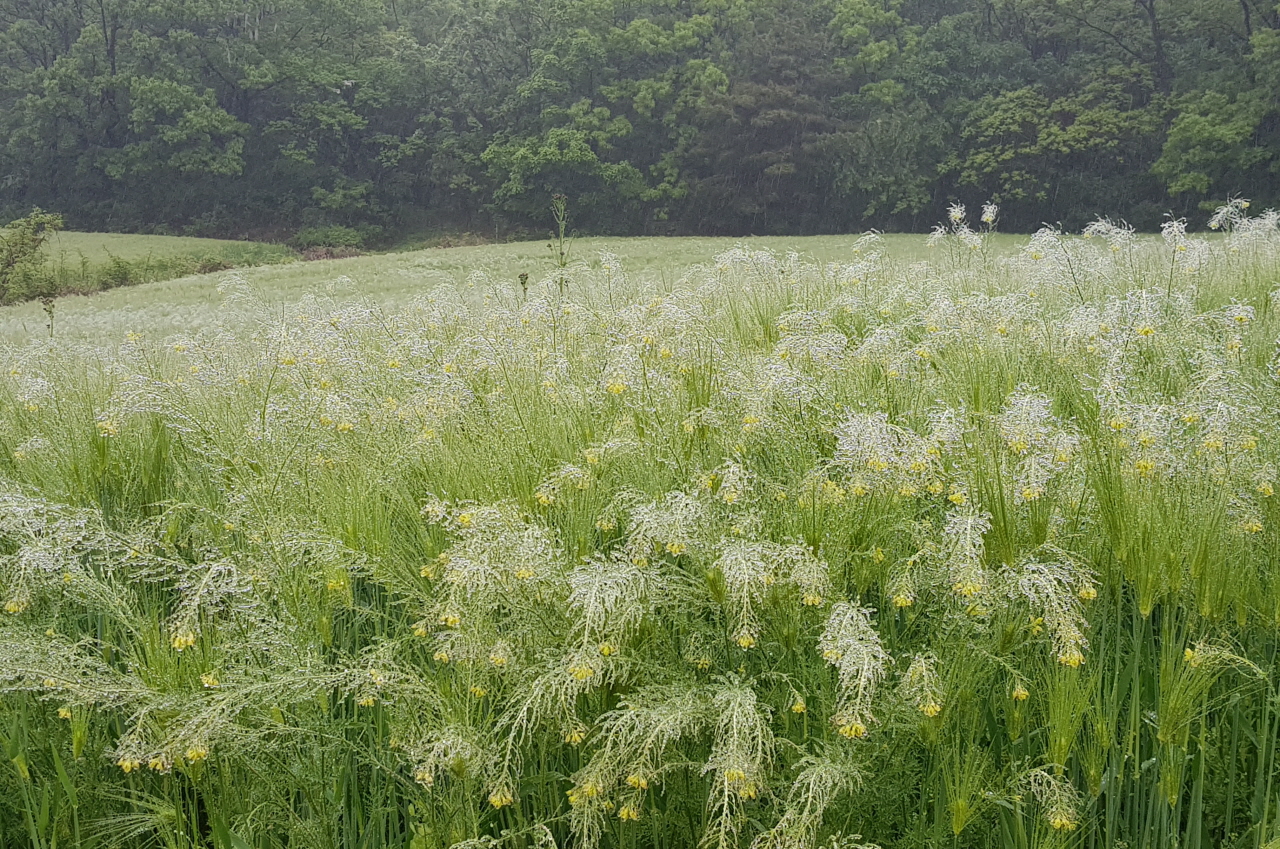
224 117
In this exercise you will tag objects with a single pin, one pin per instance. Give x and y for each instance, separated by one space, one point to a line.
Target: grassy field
770 552
392 280
70 247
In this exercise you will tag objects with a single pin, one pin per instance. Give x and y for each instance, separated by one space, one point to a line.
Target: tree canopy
653 116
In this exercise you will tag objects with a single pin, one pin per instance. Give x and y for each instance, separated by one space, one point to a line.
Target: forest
729 117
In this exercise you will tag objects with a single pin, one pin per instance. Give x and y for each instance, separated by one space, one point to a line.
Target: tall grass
971 553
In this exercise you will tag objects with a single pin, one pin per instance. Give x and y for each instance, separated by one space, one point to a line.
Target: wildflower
1253 526
183 640
811 600
441 656
500 798
197 753
345 427
607 649
209 680
478 691
902 600
1062 821
746 641
15 606
1071 657
852 730
1190 656
129 764
931 709
368 701
958 498
574 736
798 706
676 548
1019 694
158 764
637 781
450 620
628 813
107 428
1088 592
581 671
64 713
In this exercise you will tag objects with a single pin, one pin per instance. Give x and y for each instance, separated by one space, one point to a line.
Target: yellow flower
607 649
615 387
968 589
478 691
466 519
197 753
1190 656
746 641
931 709
958 498
500 798
129 764
1145 330
1144 467
638 782
345 427
1265 490
676 548
183 640
1019 694
14 606
107 428
450 620
367 701
209 680
1062 822
545 497
811 600
1071 657
581 671
798 706
64 713
525 574
441 656
852 730
902 600
1088 592
1252 527
158 764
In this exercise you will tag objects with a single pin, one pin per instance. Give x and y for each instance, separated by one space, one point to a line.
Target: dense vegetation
979 553
696 116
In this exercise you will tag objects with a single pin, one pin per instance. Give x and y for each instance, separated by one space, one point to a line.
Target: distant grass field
97 248
178 306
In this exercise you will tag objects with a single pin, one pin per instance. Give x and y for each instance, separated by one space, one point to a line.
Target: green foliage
332 236
22 255
711 116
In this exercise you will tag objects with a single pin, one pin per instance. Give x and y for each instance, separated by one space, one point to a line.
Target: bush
331 236
22 273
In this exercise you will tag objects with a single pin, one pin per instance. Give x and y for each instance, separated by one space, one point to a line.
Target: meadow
685 544
87 263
